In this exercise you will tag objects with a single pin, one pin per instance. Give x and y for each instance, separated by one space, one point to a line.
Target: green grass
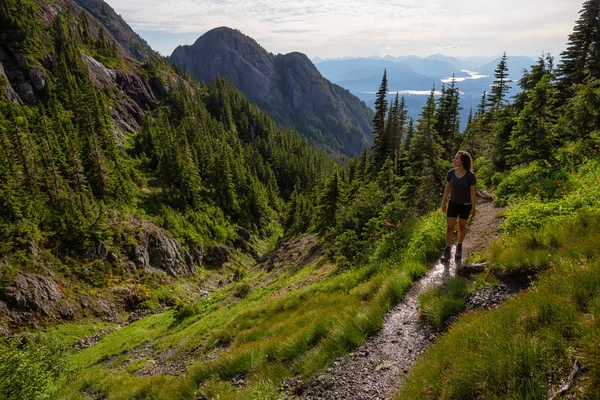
579 190
522 349
281 328
438 304
570 237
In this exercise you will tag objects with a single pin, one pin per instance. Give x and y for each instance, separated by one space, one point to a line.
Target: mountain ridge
288 86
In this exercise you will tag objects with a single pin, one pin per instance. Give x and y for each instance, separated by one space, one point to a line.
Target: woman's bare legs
450 224
462 230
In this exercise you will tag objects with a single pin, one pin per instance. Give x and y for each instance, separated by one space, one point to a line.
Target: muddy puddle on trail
375 368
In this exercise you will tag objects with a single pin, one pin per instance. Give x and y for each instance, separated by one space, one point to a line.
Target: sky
357 28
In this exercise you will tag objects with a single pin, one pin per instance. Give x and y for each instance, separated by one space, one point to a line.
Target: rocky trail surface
375 369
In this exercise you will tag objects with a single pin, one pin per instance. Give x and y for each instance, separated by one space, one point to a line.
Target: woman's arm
447 190
473 200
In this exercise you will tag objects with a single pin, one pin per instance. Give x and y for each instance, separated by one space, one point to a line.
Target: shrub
484 169
28 367
519 182
347 246
242 290
239 274
183 311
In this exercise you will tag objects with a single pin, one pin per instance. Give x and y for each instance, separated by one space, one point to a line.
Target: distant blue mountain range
414 77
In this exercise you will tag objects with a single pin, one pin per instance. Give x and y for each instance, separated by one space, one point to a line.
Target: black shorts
454 210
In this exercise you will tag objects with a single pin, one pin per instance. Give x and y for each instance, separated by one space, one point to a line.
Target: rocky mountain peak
287 86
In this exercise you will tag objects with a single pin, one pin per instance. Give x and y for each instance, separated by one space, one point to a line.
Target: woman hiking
460 186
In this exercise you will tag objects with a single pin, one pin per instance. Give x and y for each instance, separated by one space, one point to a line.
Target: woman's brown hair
466 159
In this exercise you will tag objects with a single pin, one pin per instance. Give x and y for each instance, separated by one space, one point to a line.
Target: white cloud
359 27
440 47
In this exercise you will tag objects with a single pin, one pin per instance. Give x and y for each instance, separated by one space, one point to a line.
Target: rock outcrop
128 111
158 250
33 293
8 89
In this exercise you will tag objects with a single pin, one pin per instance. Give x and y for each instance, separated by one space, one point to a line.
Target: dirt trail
375 369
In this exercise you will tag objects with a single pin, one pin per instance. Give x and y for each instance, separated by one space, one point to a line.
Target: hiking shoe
446 255
458 252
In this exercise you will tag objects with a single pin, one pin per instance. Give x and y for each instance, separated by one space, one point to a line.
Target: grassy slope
525 347
279 329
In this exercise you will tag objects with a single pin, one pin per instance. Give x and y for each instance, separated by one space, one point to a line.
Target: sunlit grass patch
440 303
581 191
70 334
571 237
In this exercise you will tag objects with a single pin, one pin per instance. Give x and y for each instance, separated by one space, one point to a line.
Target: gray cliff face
131 44
288 87
128 111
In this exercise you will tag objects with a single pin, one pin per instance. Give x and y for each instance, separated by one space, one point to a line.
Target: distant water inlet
472 75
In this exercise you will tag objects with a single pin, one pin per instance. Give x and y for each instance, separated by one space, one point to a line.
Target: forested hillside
162 238
114 171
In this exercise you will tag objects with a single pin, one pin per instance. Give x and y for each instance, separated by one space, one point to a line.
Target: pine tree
387 180
423 178
379 147
399 133
581 114
531 139
582 55
410 131
447 118
328 203
500 88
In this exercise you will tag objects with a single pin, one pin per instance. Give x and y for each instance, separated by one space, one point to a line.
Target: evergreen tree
447 118
531 139
424 168
469 134
582 55
328 203
380 141
410 131
387 180
497 97
581 115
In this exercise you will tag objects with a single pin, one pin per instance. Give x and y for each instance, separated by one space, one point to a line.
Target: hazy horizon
351 28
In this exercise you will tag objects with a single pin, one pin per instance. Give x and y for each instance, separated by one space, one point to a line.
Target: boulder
35 293
242 233
168 255
100 75
97 251
198 255
38 78
131 296
158 250
220 255
25 92
101 308
158 87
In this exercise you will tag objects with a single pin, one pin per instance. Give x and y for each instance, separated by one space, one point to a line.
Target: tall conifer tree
379 132
582 55
501 86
